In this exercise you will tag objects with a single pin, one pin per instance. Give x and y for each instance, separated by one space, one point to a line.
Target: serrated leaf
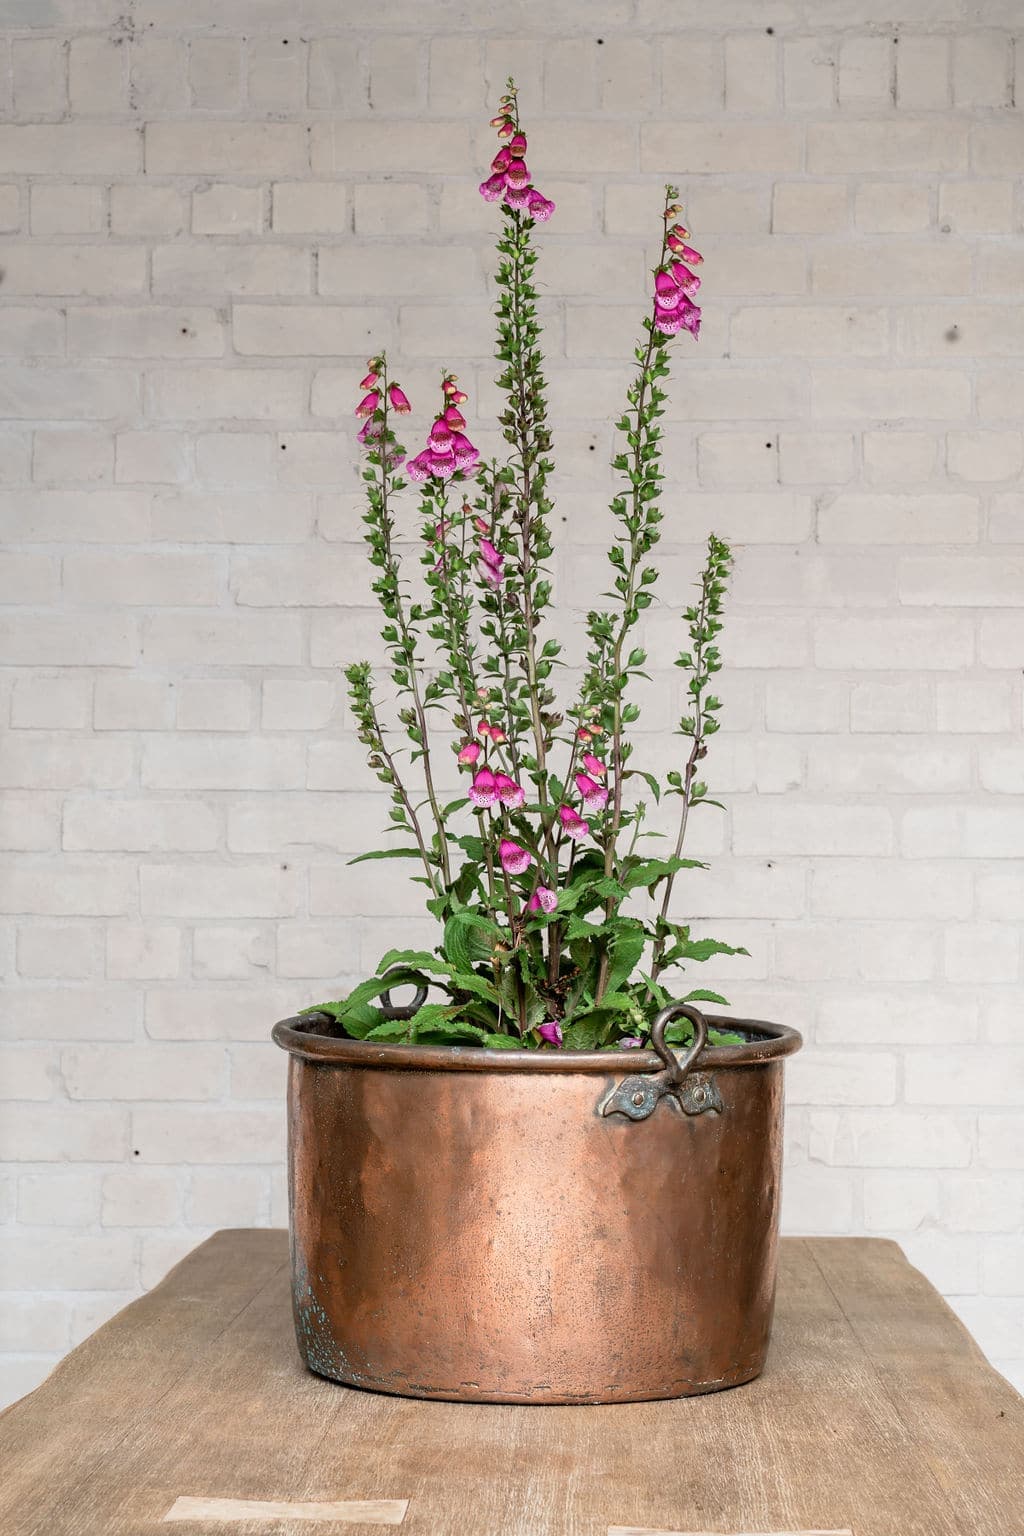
501 1042
386 853
470 938
649 871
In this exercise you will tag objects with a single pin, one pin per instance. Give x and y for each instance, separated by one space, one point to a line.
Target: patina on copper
493 1226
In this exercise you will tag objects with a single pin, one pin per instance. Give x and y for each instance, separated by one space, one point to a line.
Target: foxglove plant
530 870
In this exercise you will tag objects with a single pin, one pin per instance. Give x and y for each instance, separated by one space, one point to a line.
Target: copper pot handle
402 978
694 1092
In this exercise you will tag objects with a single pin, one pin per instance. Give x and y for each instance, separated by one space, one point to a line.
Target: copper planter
534 1226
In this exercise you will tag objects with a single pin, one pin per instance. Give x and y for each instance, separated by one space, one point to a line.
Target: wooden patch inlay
345 1511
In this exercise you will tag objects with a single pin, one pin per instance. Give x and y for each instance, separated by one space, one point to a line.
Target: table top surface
190 1413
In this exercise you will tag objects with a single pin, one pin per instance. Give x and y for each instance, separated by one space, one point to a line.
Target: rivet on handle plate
694 1092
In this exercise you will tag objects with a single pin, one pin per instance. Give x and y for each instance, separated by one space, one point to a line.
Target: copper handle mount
694 1092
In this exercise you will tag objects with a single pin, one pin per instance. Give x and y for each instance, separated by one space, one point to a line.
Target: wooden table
876 1415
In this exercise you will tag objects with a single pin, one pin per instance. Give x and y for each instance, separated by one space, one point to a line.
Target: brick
78 1134
859 888
801 706
880 394
1001 1140
1003 1265
999 395
692 72
793 331
896 1202
225 394
269 824
815 1201
220 1013
210 147
157 80
297 705
922 72
212 890
137 952
33 1323
97 75
322 330
144 826
140 210
866 72
231 269
258 1071
846 951
56 702
57 209
235 1199
144 1072
990 951
1001 769
28 579
214 704
751 72
390 147
892 207
215 1135
75 890
809 208
215 73
807 458
65 1261
776 148
901 767
139 1198
1006 518
996 146
782 578
31 331
54 760
74 270
896 1016
149 332
977 330
308 950
950 1262
316 579
233 517
223 209
397 75
841 1077
72 1013
230 639
86 456
332 893
844 148
968 831
934 1079
743 459
723 209
961 581
29 1072
10 206
58 951
982 70
1001 640
976 207
143 580
810 829
150 458
70 394
231 953
222 762
355 273
943 643
70 148
39 76
900 706
910 269
900 457
133 703
974 705
857 518
976 1203
320 207
276 74
809 74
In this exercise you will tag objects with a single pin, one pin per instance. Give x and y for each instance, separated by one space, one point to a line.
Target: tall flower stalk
527 871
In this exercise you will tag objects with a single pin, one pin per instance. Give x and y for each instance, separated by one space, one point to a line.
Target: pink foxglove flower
513 858
369 381
582 734
551 1032
484 728
594 766
572 825
469 752
498 735
630 1043
542 900
594 795
399 400
368 404
509 181
483 791
493 188
509 792
490 554
369 430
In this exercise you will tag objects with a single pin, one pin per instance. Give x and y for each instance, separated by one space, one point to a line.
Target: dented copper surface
484 1225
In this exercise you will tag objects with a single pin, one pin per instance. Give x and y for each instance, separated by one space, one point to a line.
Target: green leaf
470 938
419 959
501 1042
386 853
703 949
649 871
703 995
624 952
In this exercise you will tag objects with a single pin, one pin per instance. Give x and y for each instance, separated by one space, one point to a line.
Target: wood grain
336 1511
876 1415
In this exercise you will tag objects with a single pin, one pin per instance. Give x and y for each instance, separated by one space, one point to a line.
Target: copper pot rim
299 1036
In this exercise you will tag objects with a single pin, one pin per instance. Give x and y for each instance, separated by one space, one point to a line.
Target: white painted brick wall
209 210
